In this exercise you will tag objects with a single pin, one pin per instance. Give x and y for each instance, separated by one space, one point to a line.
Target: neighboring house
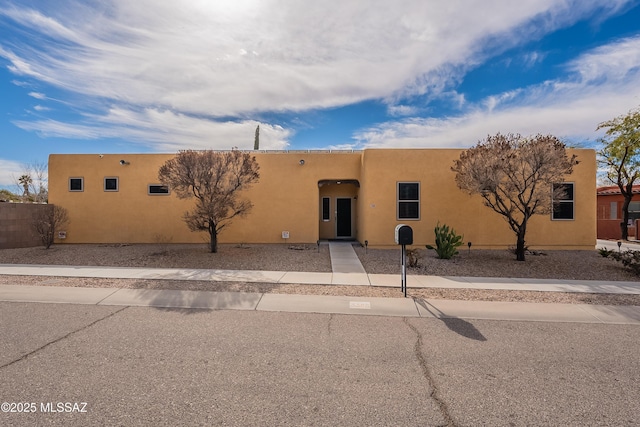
312 195
610 201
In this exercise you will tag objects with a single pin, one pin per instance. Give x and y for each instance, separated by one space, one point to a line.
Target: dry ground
577 265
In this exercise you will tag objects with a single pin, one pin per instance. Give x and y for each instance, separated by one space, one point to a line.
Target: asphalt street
115 365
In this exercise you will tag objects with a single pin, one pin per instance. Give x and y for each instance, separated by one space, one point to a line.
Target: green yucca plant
446 241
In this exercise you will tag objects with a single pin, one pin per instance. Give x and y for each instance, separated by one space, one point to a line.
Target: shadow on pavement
185 311
457 325
187 302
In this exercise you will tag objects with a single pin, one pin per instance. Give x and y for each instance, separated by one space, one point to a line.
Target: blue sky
122 76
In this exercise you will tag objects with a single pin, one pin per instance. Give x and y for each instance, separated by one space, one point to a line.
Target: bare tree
216 180
515 176
620 156
48 221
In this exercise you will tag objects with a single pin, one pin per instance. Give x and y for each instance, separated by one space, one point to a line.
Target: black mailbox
404 235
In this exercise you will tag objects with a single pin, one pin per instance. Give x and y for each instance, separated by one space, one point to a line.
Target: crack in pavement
329 323
422 361
23 357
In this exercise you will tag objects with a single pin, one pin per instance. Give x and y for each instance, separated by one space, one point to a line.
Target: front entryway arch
338 208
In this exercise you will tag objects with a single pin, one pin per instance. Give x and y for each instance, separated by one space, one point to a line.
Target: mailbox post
404 237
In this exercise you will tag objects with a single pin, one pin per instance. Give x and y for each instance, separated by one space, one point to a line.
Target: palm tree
25 181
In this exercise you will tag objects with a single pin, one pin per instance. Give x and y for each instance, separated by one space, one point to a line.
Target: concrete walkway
315 278
406 307
346 266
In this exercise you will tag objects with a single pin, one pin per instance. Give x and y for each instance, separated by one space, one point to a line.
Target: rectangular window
158 190
613 214
634 211
563 201
76 184
408 200
326 209
111 183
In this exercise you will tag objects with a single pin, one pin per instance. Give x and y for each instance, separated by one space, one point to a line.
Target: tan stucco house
312 195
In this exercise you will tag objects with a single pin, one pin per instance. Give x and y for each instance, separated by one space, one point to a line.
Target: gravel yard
229 257
571 265
577 265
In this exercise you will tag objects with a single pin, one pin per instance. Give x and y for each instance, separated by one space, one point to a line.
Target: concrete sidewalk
315 278
404 307
347 270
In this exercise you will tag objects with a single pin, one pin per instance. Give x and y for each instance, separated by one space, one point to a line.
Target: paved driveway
613 245
149 366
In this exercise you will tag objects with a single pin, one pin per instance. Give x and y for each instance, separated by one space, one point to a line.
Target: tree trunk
624 231
213 238
520 248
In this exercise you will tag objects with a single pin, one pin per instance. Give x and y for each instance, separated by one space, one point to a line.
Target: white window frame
398 201
566 201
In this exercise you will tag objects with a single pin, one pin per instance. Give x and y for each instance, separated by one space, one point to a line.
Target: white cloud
9 169
613 62
37 95
157 67
402 110
605 83
532 58
41 108
195 58
164 130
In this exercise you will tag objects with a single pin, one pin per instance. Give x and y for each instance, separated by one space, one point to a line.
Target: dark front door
343 217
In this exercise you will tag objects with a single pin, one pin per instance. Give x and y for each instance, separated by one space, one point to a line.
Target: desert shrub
48 221
604 252
413 257
628 258
163 242
447 241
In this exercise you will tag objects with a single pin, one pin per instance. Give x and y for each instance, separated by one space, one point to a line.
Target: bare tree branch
514 176
215 180
620 155
48 221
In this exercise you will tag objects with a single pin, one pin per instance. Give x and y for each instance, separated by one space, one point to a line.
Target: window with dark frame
326 209
563 205
634 211
111 183
76 184
158 190
408 200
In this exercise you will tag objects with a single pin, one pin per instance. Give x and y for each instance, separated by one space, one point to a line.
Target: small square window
111 183
158 190
76 184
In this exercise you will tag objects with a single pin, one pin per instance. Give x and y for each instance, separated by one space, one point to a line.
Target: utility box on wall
404 235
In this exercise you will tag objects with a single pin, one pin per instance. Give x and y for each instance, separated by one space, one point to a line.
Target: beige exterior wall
288 198
441 201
